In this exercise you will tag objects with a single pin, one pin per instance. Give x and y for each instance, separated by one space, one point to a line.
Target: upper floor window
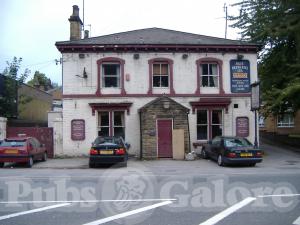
160 75
285 120
111 75
209 75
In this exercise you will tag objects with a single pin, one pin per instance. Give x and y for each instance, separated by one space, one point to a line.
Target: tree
12 79
42 81
274 24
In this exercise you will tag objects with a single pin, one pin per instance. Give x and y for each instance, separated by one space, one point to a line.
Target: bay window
209 123
111 123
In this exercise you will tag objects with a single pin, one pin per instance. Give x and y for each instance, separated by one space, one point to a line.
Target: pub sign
240 76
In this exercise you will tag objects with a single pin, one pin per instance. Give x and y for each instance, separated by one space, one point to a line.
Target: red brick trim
85 96
110 106
64 48
199 73
115 60
170 62
210 103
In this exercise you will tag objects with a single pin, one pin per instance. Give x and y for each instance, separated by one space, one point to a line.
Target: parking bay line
129 213
220 216
297 221
33 211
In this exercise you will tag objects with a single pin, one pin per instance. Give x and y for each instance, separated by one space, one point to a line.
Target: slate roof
154 36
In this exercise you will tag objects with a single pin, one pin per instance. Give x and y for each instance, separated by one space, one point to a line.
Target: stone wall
155 110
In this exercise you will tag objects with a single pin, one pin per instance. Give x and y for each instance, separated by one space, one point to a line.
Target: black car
108 150
232 150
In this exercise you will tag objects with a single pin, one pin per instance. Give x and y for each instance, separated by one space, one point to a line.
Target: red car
22 149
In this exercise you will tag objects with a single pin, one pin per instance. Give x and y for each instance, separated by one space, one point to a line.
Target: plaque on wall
242 126
240 76
77 130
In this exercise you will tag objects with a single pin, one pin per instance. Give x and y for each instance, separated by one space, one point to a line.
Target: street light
255 105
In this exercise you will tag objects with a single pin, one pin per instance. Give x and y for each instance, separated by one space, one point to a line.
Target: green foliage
12 79
275 24
42 81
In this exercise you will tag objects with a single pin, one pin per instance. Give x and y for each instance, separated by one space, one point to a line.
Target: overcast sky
29 29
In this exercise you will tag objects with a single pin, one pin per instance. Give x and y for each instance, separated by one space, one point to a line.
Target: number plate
106 152
246 154
11 151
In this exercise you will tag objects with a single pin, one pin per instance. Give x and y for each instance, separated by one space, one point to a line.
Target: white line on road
283 195
33 211
228 211
122 215
92 201
297 221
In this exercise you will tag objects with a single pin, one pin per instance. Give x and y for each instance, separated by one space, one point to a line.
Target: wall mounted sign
77 130
255 96
242 126
240 76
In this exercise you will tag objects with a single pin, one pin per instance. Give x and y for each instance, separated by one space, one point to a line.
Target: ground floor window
285 120
111 123
209 124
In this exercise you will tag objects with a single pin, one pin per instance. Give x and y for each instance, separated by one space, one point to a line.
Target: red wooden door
164 138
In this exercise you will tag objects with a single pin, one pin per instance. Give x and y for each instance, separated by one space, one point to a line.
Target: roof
155 36
162 98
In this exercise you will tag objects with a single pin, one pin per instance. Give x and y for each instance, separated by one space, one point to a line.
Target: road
156 192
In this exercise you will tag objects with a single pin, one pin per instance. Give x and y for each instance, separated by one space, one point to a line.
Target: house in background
284 124
146 85
33 107
56 98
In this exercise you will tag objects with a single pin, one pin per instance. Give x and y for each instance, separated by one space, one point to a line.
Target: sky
30 28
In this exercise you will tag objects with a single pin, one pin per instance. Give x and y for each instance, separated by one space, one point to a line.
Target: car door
31 147
39 148
215 147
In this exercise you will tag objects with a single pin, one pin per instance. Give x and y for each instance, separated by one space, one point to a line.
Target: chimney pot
75 10
86 34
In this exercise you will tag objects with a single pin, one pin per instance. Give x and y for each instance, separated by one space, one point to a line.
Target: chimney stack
75 24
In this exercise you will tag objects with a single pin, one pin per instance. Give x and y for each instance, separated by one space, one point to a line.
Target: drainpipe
188 123
141 140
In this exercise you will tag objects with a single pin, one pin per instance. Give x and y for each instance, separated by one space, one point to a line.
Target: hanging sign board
77 130
255 96
240 76
242 126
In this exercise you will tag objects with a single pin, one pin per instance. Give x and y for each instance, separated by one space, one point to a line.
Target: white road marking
215 219
92 201
33 211
122 215
297 221
283 195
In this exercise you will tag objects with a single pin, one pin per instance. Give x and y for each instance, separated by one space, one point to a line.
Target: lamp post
255 105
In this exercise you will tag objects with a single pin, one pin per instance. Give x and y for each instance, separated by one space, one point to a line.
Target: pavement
272 159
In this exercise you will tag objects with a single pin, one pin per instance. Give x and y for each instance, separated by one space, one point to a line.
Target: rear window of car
13 143
236 142
102 140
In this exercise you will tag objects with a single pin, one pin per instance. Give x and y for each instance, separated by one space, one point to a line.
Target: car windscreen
13 143
236 142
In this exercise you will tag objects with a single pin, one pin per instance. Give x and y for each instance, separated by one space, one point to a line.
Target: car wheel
124 164
220 161
30 162
252 164
1 165
204 154
45 157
